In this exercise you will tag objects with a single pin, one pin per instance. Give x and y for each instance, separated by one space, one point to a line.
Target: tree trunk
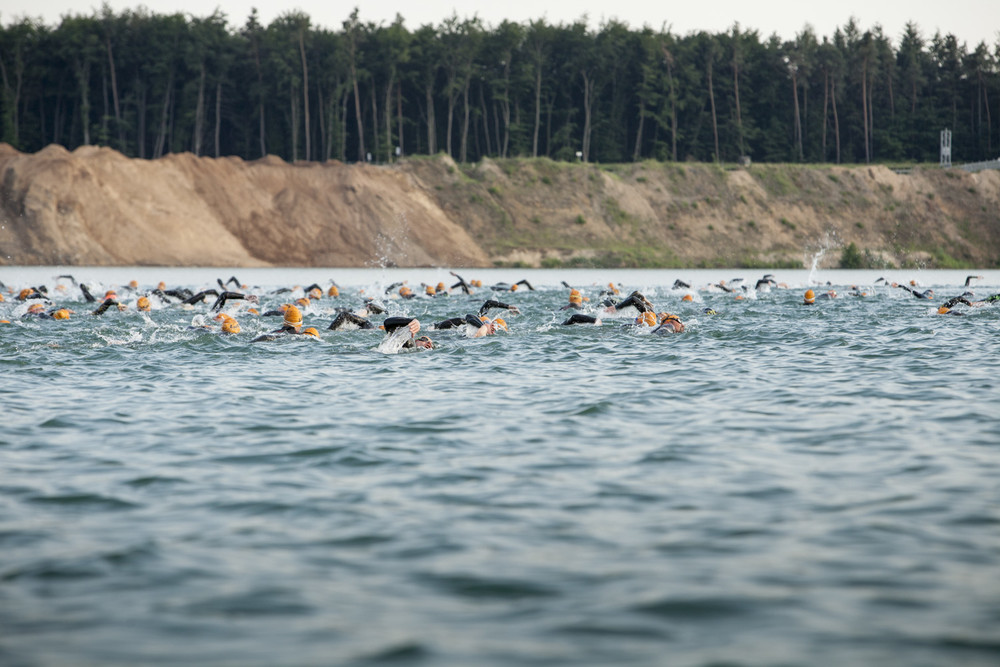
826 102
374 125
399 116
486 120
387 107
114 96
305 92
140 138
357 114
431 121
218 115
715 120
293 104
465 122
199 114
161 137
836 119
538 109
588 91
798 120
864 107
739 114
638 133
83 75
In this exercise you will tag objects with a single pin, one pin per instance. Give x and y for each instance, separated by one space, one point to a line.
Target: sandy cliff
96 207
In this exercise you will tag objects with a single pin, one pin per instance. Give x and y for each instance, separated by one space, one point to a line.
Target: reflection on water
778 483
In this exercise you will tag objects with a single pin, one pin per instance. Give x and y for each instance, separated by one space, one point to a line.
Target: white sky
970 21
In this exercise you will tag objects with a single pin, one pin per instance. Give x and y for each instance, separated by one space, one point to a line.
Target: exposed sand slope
96 207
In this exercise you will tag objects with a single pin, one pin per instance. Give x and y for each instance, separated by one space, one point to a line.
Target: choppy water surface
778 485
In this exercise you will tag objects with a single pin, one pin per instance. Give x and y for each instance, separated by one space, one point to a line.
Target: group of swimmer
233 299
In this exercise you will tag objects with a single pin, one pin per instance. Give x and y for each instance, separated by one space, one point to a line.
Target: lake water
778 485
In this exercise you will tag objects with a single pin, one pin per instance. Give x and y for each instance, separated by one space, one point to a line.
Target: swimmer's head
231 326
61 314
913 283
333 291
513 288
110 294
36 308
161 286
499 321
424 342
293 317
440 287
24 294
315 293
944 310
134 284
310 331
304 302
663 317
687 297
143 303
809 297
405 291
575 297
429 290
253 311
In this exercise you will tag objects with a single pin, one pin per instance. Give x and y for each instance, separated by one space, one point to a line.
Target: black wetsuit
490 304
636 300
201 296
926 294
104 306
347 317
449 323
220 302
580 318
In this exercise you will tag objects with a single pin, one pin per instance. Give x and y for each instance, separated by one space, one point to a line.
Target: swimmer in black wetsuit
635 300
461 283
926 294
220 302
491 304
107 303
391 324
580 318
680 284
201 296
346 319
969 279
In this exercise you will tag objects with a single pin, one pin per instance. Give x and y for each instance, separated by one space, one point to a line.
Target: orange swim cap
513 288
4 321
36 308
311 331
333 291
293 317
810 296
161 286
143 304
315 293
429 290
231 326
405 291
253 311
2 299
304 302
61 314
648 318
687 297
440 287
133 284
24 294
944 310
501 323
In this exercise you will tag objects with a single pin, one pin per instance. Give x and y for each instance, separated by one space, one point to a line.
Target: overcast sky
970 21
